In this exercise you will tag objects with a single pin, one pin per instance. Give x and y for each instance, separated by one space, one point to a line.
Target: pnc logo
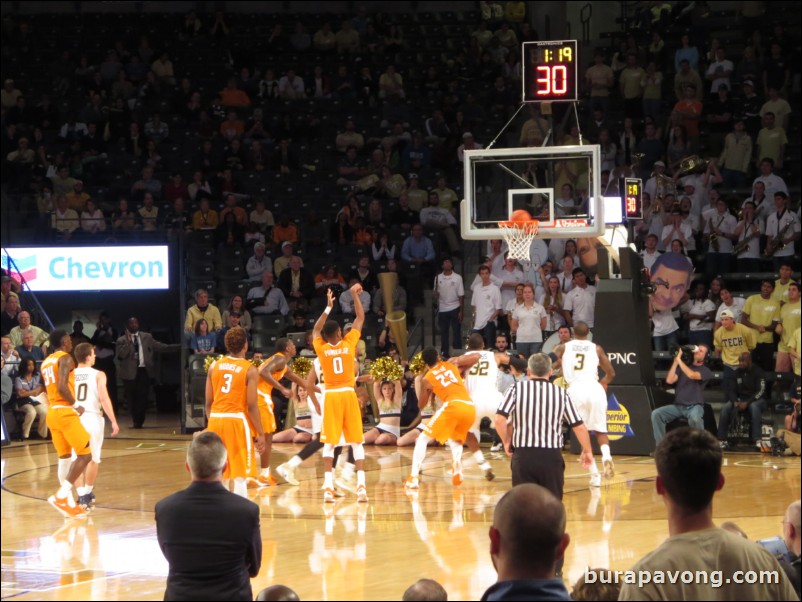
628 358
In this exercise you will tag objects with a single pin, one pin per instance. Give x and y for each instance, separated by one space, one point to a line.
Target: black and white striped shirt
538 409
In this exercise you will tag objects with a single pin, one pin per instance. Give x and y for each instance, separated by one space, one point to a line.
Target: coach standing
537 409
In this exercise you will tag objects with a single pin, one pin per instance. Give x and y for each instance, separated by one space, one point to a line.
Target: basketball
520 215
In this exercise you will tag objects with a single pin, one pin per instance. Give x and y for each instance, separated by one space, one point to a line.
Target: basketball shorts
486 405
268 418
67 431
342 417
590 400
235 431
95 425
452 421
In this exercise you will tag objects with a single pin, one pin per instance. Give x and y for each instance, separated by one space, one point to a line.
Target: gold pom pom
301 366
209 360
386 368
257 361
416 364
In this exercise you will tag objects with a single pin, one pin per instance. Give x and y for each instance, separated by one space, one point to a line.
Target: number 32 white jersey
86 393
481 380
580 361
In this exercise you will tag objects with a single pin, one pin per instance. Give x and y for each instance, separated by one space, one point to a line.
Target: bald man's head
425 589
792 527
581 330
528 534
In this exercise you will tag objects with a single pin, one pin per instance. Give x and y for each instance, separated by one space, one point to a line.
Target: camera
684 351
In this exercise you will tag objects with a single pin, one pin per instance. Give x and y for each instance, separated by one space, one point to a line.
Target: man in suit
297 284
136 351
209 536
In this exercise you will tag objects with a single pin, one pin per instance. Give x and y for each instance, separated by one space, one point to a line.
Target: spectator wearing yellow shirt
762 312
771 142
631 89
783 282
790 322
205 218
203 310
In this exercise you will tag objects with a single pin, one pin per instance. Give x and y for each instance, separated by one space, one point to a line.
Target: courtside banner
89 268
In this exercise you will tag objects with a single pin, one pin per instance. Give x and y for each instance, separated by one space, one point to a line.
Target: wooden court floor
348 551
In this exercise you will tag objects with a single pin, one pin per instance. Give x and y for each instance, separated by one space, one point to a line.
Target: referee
537 409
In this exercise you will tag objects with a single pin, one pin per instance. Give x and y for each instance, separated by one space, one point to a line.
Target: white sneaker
344 482
361 494
497 447
287 472
595 480
328 496
411 483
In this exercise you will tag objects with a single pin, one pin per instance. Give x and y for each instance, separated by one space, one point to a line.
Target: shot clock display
550 71
633 198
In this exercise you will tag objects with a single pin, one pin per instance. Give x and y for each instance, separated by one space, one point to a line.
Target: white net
519 237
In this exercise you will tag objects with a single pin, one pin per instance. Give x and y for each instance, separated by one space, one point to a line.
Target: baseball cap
749 82
727 314
659 164
259 245
286 243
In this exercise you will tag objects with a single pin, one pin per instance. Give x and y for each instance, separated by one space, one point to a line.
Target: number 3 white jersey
86 393
580 361
482 378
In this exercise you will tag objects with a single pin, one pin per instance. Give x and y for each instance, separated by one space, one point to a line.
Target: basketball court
346 550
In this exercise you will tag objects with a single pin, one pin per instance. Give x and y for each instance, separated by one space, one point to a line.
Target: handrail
28 296
585 16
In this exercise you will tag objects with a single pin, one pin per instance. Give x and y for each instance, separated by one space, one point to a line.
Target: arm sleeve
255 546
507 406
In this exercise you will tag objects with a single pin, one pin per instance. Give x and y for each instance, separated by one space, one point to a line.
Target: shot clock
550 71
633 198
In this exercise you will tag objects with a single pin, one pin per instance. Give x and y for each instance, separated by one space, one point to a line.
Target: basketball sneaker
411 483
609 468
344 482
287 473
63 506
266 481
489 474
456 473
497 447
361 494
329 496
595 480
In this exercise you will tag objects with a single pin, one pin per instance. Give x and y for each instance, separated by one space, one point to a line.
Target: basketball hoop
519 232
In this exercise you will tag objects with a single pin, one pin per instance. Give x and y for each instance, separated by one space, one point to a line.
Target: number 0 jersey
447 383
580 361
50 370
482 378
337 361
86 392
230 385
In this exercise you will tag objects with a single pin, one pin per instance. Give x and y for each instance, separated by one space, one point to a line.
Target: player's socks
328 480
295 461
481 461
88 488
81 491
265 472
360 478
605 452
63 469
65 492
419 454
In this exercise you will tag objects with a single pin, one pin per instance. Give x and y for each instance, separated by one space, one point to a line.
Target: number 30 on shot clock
550 71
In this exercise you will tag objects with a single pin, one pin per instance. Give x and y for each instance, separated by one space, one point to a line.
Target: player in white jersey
92 395
580 360
481 376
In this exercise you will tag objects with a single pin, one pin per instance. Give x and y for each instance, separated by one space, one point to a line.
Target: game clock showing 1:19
550 71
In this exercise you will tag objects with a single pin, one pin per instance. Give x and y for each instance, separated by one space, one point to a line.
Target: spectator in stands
687 112
65 221
11 358
436 219
291 86
580 301
689 504
267 299
28 349
123 221
719 230
383 248
347 39
736 155
325 39
237 304
77 335
156 129
40 337
148 214
630 86
599 79
782 230
298 323
744 391
527 545
232 206
204 218
258 263
176 189
699 313
719 71
776 73
735 306
285 231
281 263
365 275
233 322
772 183
428 589
676 229
162 68
779 106
781 285
771 142
203 309
262 217
93 222
329 278
346 299
232 127
297 284
417 248
9 95
229 233
147 184
684 78
792 535
232 96
652 148
761 313
31 398
686 53
399 301
203 342
391 83
787 326
10 313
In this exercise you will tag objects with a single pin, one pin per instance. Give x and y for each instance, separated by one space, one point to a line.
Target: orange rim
530 226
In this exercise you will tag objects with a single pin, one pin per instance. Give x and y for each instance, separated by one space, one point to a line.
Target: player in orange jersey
453 420
64 422
342 417
270 373
232 410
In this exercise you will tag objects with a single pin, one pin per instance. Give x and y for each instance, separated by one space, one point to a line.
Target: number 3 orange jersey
230 384
446 383
337 361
